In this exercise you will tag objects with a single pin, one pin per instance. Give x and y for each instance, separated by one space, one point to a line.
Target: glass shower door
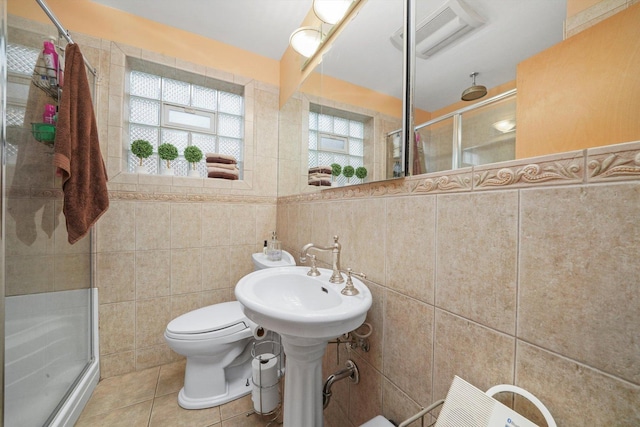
47 281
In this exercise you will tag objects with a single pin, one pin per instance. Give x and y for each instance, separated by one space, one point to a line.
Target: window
335 137
209 115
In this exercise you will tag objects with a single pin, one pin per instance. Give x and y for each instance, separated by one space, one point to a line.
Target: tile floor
149 398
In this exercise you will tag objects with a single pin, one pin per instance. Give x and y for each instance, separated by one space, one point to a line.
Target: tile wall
522 272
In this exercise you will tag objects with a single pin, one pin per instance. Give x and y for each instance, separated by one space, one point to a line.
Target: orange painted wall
576 6
84 16
583 92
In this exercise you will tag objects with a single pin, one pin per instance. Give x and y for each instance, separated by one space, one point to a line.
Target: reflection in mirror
336 117
566 99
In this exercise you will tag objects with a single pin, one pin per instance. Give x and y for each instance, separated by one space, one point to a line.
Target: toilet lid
207 319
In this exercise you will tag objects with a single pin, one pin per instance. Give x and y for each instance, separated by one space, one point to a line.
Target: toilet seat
214 321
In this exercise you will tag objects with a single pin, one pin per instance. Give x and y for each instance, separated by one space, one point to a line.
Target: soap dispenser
274 248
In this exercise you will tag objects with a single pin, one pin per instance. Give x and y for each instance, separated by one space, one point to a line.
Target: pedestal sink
307 312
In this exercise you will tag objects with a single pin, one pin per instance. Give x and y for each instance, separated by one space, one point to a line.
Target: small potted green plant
141 149
168 152
336 170
361 172
348 172
193 155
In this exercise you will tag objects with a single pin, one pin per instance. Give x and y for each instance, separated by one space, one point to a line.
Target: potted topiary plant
348 172
361 172
141 149
193 155
168 152
336 170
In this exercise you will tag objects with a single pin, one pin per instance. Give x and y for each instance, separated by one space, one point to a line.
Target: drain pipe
351 371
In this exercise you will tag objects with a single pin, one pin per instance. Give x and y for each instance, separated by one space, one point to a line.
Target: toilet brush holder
267 369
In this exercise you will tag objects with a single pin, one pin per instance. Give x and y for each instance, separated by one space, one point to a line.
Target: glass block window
336 139
163 109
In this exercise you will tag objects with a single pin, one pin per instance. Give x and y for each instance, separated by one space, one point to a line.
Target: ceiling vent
445 25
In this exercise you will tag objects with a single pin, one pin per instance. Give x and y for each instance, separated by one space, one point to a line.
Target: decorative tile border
620 162
614 163
188 198
565 168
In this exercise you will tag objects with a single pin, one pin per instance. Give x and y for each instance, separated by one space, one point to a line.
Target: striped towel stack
222 166
320 176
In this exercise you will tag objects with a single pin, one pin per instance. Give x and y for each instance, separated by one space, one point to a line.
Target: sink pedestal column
303 381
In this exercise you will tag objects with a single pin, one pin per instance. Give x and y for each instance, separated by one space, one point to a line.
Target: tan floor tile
167 413
236 407
130 416
243 420
171 378
119 392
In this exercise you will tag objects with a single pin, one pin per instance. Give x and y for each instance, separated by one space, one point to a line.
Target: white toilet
216 341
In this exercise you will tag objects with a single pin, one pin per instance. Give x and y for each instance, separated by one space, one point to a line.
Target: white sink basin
287 301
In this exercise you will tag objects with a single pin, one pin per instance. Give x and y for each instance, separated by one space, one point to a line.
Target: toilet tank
260 261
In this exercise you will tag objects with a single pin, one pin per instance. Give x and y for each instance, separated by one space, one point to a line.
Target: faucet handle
349 289
314 269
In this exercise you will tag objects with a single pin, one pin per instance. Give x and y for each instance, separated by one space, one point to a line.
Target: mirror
566 99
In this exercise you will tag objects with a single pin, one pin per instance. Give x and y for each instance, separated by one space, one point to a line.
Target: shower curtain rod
63 32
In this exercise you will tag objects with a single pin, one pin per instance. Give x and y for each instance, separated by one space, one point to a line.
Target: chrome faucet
336 277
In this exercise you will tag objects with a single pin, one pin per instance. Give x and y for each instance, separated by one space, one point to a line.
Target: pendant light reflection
305 40
331 11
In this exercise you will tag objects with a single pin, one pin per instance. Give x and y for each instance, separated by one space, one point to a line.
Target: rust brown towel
320 169
220 158
222 175
77 151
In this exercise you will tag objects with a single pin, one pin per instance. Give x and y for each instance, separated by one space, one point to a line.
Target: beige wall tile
186 227
240 262
216 224
409 249
477 257
216 269
153 273
72 271
21 276
153 356
375 317
579 255
365 405
117 331
116 229
265 223
152 317
243 224
408 345
576 395
368 236
476 354
396 405
153 225
186 271
117 364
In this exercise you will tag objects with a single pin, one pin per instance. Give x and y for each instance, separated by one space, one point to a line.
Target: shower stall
50 306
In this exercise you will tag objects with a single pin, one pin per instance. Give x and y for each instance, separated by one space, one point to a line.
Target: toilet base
238 385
